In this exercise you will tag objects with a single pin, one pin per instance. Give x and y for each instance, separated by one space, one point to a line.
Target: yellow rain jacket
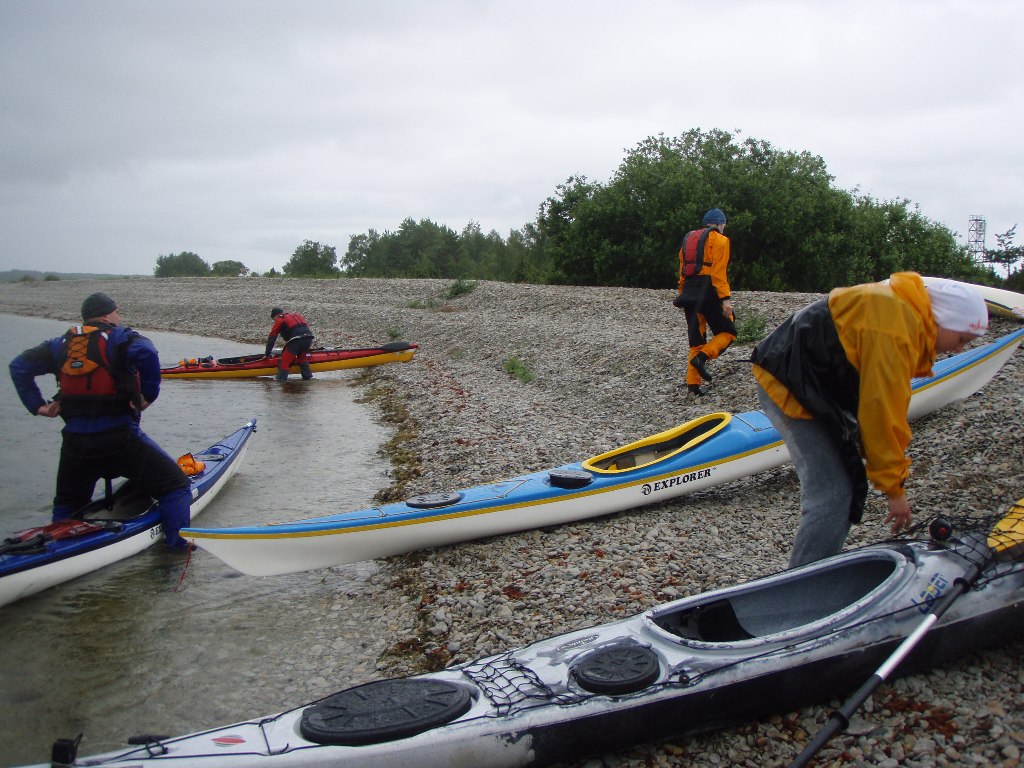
887 335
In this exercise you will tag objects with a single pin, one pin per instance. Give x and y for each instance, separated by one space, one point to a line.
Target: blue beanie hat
714 216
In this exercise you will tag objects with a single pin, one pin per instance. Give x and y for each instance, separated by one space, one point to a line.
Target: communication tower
976 238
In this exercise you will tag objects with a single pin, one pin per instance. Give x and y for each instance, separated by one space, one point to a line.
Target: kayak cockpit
659 447
802 601
126 503
126 508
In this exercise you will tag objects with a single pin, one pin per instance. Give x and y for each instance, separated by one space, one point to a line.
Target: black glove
678 301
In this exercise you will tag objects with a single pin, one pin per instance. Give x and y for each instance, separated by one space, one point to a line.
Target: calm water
144 646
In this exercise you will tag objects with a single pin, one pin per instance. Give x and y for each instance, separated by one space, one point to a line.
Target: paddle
1005 542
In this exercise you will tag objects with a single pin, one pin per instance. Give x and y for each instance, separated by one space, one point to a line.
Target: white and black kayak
108 530
693 665
704 453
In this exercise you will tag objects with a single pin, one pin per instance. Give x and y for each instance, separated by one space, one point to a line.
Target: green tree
184 264
562 225
426 249
1006 255
312 260
416 249
524 257
229 268
789 227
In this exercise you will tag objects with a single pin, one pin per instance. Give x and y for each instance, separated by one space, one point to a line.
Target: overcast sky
130 129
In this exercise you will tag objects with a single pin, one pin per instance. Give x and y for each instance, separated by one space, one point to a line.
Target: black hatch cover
384 710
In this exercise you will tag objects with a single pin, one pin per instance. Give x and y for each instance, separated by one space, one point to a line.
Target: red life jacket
293 324
90 385
691 252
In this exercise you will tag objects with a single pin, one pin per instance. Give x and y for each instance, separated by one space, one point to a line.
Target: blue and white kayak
700 454
700 663
107 531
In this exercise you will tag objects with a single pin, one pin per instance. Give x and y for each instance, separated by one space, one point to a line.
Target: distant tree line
425 249
791 229
188 264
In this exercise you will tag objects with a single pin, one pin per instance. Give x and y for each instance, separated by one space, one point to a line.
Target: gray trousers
825 488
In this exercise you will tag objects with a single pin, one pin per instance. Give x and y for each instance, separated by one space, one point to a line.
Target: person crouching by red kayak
107 375
298 340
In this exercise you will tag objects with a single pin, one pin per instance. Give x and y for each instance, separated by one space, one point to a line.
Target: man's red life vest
692 251
90 385
291 322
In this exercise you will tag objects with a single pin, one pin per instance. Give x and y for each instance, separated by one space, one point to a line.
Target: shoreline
608 367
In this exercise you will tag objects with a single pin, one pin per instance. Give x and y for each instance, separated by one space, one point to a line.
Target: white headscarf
957 306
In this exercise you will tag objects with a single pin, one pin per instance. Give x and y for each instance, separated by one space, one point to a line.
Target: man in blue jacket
107 375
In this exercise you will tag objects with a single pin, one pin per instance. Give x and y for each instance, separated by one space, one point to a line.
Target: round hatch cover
383 711
617 669
431 500
569 478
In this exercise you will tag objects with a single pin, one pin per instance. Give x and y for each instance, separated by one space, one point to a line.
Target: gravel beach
607 366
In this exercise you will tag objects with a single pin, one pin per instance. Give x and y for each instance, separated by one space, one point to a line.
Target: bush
516 367
751 328
459 288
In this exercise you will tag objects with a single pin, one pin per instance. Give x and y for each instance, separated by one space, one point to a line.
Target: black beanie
97 305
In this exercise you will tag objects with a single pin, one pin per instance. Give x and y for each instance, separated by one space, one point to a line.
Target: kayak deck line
981 360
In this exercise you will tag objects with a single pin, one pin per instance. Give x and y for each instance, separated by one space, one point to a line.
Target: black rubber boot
282 374
700 363
694 391
305 371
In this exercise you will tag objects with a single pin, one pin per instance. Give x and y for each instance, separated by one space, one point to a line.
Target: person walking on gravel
705 297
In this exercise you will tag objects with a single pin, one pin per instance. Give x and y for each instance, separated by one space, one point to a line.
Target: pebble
608 368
